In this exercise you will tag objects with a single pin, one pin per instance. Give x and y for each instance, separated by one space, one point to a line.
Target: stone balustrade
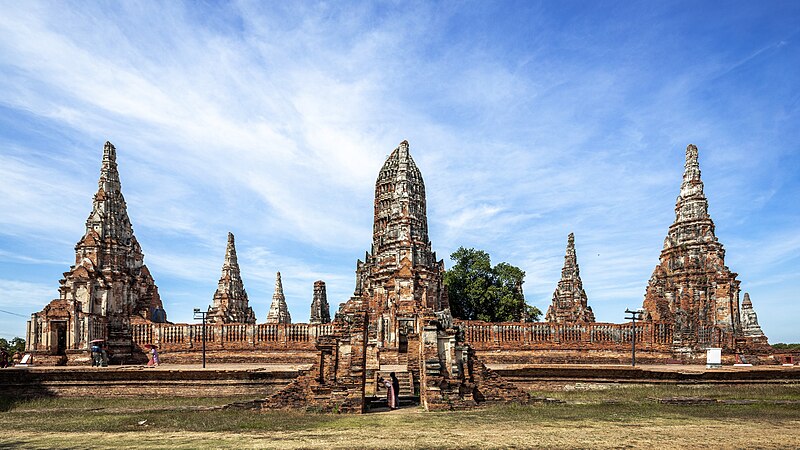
237 336
520 336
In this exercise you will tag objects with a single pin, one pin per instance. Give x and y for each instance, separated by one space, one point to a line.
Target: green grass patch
637 393
611 407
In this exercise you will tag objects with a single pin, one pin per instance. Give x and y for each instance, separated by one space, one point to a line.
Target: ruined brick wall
112 382
239 337
564 343
546 335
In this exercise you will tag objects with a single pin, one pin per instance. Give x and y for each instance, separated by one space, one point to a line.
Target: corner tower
691 286
109 286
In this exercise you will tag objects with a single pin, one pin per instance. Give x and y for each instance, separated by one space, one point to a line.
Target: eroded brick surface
691 287
108 288
230 299
570 304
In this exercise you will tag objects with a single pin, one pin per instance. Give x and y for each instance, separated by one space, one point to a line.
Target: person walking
396 389
3 358
103 362
390 398
154 359
95 354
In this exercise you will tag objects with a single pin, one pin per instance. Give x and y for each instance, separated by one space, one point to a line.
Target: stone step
405 379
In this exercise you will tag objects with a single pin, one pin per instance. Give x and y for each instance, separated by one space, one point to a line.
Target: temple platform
262 380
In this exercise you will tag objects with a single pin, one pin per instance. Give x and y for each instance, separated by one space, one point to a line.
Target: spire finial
109 152
230 251
692 167
691 153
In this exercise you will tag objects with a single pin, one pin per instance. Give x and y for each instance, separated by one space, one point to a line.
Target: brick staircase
405 379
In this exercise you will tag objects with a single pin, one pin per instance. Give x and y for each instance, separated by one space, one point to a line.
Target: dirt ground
397 434
522 427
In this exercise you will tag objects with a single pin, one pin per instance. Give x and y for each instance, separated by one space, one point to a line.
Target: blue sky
528 120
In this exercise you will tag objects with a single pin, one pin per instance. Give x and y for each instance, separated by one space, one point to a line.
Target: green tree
16 345
478 291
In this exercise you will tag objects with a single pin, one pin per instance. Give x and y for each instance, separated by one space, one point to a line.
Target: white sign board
714 357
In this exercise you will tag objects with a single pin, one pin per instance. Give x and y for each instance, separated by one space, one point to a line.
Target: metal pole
633 343
634 315
204 341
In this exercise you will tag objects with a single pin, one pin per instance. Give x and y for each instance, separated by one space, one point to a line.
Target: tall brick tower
400 275
278 311
320 310
691 286
230 299
108 287
569 299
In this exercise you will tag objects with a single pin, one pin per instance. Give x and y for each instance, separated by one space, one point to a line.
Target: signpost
634 316
201 315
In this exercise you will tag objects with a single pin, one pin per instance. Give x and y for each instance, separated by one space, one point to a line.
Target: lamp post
201 315
634 316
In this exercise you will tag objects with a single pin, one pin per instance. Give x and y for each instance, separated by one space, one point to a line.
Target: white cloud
272 121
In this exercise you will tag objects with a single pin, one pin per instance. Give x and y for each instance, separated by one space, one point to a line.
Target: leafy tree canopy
783 346
478 291
16 345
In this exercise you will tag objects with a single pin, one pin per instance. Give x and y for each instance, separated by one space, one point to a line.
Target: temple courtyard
598 406
597 416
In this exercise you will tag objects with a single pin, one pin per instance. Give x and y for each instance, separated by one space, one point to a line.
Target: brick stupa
230 299
109 286
570 304
691 287
278 311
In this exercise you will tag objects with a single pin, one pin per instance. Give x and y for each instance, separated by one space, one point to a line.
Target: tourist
3 358
153 357
390 397
396 389
103 358
95 354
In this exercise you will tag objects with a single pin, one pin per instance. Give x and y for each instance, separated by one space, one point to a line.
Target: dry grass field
592 416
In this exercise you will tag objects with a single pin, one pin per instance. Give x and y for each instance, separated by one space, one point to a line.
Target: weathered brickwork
749 320
398 319
400 273
570 304
320 311
230 299
691 287
278 311
108 289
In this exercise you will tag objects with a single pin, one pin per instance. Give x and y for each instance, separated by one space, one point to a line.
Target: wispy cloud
272 121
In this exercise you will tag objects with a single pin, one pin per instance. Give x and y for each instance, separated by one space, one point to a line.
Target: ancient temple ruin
570 304
400 274
398 318
691 287
749 320
278 311
109 287
320 310
230 299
